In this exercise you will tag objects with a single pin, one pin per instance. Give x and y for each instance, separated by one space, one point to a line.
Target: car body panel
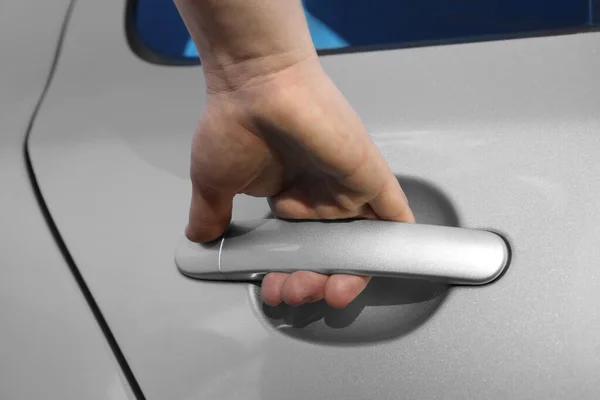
52 347
507 131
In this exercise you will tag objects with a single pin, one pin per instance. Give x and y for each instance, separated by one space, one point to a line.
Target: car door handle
251 249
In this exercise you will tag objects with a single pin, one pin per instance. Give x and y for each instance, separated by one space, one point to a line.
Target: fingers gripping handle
251 249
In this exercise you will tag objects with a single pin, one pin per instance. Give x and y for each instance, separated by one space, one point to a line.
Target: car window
157 32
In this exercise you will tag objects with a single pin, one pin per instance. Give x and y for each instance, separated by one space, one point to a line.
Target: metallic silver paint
51 346
508 130
251 249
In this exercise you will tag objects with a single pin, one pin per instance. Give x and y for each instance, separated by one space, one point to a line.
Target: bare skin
276 126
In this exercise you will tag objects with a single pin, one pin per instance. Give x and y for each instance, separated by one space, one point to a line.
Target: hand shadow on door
387 308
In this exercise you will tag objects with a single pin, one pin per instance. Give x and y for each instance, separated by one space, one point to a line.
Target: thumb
391 203
210 214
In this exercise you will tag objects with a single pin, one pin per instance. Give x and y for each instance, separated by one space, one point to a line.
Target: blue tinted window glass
342 24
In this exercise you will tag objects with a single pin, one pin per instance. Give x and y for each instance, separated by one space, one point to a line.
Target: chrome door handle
249 250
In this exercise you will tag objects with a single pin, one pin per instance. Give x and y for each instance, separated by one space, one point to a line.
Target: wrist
239 40
258 71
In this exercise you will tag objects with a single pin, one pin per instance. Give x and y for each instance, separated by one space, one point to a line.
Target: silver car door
51 345
498 135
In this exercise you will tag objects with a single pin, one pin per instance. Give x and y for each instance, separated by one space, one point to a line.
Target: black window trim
145 53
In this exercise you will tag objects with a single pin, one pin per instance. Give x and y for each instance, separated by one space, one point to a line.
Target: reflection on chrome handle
251 249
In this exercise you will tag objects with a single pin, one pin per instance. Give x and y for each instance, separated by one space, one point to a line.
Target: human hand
291 136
